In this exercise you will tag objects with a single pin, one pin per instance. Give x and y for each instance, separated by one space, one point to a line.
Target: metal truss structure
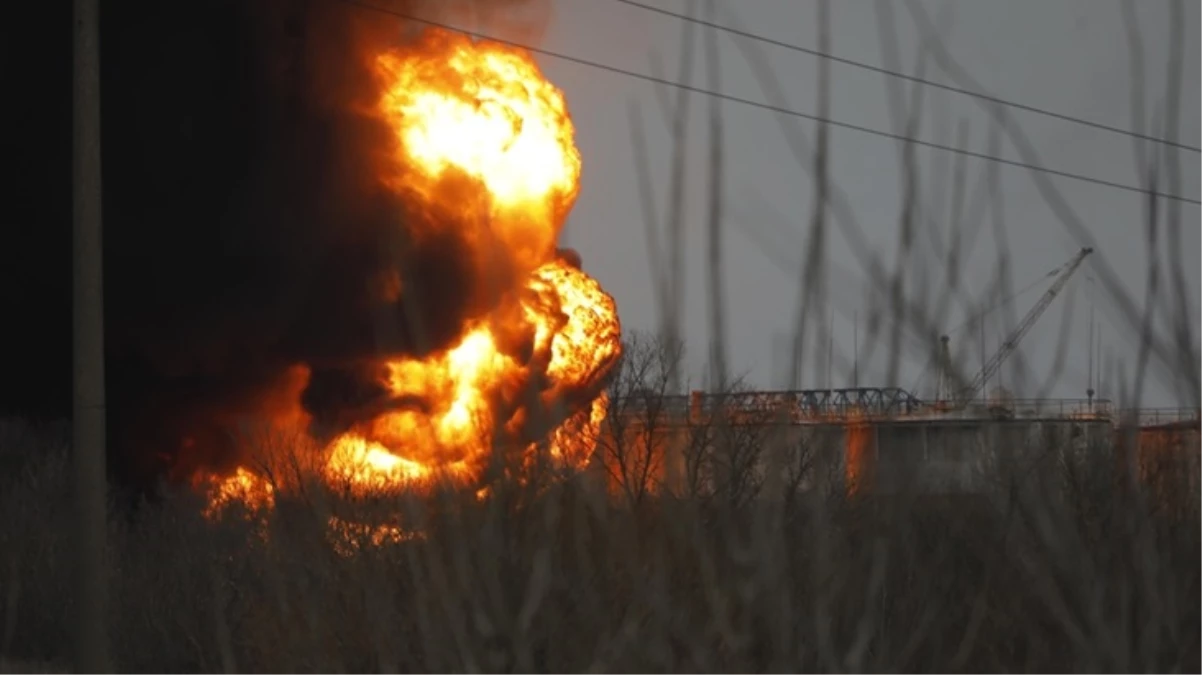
865 401
869 402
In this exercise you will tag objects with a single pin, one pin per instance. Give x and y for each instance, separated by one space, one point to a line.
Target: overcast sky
1069 56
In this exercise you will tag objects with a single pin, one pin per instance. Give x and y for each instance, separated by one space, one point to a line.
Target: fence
1153 417
837 405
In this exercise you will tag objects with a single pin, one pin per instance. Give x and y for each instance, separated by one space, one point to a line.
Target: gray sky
1069 56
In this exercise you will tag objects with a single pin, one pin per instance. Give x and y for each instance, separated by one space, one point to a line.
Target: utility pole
88 423
855 359
1089 389
830 349
984 360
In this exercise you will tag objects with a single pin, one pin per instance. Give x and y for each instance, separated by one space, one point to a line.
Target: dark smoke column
91 645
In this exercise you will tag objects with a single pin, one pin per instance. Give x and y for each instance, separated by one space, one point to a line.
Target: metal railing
879 403
1051 408
798 406
1152 417
651 404
864 401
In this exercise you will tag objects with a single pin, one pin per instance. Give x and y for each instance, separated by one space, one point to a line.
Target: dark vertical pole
717 290
91 644
1089 388
855 362
984 359
1001 381
830 349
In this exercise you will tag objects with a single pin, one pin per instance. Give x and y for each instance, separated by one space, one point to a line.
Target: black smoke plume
245 228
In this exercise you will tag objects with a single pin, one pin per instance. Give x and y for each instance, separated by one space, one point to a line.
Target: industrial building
881 441
885 440
874 440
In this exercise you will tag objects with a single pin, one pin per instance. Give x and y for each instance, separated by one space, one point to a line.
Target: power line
773 108
904 76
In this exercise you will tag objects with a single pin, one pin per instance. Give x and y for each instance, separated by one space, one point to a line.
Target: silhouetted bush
564 578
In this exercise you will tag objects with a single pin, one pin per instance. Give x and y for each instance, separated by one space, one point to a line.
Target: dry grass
1063 573
564 579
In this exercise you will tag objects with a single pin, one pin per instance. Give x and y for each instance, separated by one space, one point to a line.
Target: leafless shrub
563 578
724 543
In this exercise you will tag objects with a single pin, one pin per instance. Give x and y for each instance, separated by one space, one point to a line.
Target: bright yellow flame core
479 111
244 487
573 320
487 111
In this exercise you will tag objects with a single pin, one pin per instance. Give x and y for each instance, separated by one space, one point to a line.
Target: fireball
481 113
481 141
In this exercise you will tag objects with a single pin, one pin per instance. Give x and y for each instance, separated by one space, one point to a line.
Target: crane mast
1011 342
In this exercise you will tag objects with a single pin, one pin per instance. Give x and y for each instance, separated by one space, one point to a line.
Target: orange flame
481 112
242 487
484 142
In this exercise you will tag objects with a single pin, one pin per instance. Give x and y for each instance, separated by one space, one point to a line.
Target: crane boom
1011 342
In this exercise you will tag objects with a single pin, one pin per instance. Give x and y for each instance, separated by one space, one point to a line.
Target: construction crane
968 392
